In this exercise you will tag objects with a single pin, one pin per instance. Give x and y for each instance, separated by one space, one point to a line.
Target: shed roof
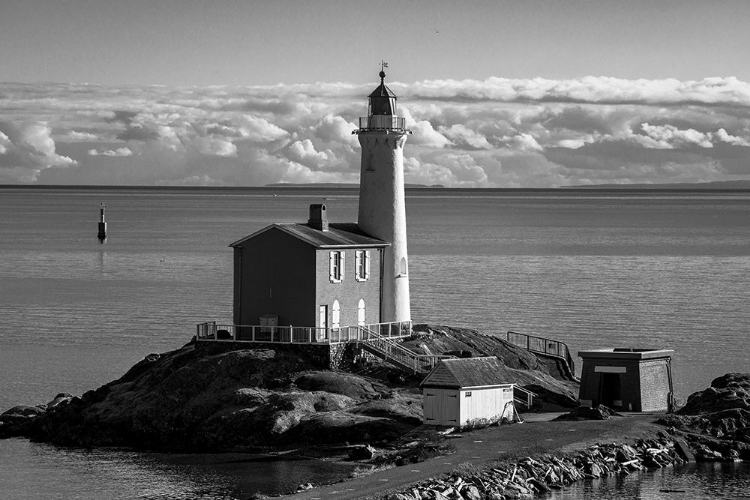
339 235
467 372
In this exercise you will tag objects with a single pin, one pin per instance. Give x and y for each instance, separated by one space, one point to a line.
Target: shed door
440 407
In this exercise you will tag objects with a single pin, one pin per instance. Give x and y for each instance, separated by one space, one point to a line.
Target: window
361 312
336 315
336 267
362 264
402 267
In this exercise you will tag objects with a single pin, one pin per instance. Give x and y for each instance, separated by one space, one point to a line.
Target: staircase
395 354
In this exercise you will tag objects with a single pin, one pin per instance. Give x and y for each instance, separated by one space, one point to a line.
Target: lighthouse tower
382 210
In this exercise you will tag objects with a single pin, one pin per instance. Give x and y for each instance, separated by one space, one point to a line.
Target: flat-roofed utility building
627 379
466 391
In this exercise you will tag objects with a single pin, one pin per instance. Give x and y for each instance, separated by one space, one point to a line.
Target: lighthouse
382 208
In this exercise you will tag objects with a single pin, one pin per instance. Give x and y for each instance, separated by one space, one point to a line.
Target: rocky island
215 397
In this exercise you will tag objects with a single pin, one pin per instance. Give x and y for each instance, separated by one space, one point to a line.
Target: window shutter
331 265
341 271
367 264
357 264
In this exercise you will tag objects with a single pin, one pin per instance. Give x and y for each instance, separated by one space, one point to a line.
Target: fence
299 334
382 122
543 346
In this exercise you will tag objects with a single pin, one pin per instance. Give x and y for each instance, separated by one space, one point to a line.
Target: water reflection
688 482
44 472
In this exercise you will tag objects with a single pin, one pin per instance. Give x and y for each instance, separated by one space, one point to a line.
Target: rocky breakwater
529 476
716 421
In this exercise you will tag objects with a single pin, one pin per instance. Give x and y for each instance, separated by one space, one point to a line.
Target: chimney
318 218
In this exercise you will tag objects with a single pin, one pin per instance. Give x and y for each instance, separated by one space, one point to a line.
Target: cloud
72 135
463 137
26 150
110 152
669 136
491 133
723 136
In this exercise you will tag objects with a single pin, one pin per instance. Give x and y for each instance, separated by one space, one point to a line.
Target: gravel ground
538 434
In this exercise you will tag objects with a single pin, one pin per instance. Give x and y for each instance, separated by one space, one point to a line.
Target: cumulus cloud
669 136
111 152
464 137
26 150
72 135
490 133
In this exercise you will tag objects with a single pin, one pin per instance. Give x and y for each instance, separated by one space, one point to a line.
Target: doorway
610 390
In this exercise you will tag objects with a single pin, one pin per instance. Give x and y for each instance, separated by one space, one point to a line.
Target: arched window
335 319
402 267
361 312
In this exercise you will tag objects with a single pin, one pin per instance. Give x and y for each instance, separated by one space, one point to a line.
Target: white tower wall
382 213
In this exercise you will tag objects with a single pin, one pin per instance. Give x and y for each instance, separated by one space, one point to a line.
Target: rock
22 411
471 492
304 487
343 383
365 452
730 391
215 397
61 399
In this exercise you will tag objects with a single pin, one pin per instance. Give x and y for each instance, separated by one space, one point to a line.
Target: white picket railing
213 331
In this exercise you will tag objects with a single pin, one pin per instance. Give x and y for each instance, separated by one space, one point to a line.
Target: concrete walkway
536 435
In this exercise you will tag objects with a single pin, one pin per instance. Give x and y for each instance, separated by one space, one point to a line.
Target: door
323 323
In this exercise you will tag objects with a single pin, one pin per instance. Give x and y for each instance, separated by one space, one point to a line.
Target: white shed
466 391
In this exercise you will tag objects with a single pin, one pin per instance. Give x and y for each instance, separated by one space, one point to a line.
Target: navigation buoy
102 224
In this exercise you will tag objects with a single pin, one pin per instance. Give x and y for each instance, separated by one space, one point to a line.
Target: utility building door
441 407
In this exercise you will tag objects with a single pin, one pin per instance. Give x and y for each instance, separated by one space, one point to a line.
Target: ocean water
593 269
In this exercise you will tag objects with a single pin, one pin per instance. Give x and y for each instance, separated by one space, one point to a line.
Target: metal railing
382 122
299 334
523 396
398 355
543 346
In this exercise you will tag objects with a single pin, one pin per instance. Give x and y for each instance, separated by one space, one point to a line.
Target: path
536 435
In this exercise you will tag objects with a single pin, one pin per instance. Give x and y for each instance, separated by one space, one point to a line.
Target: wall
382 213
643 387
349 291
277 276
323 355
486 404
630 383
655 385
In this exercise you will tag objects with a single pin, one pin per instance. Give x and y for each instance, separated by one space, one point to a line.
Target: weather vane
383 65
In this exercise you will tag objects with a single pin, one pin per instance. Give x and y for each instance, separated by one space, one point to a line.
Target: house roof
467 372
339 235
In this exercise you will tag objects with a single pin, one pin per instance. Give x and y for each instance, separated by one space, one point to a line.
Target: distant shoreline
723 186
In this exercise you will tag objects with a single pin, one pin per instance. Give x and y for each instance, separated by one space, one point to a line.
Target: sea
661 269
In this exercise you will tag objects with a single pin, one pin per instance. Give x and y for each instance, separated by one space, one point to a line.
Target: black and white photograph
394 250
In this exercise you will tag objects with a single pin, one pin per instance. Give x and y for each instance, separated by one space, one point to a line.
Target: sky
497 93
